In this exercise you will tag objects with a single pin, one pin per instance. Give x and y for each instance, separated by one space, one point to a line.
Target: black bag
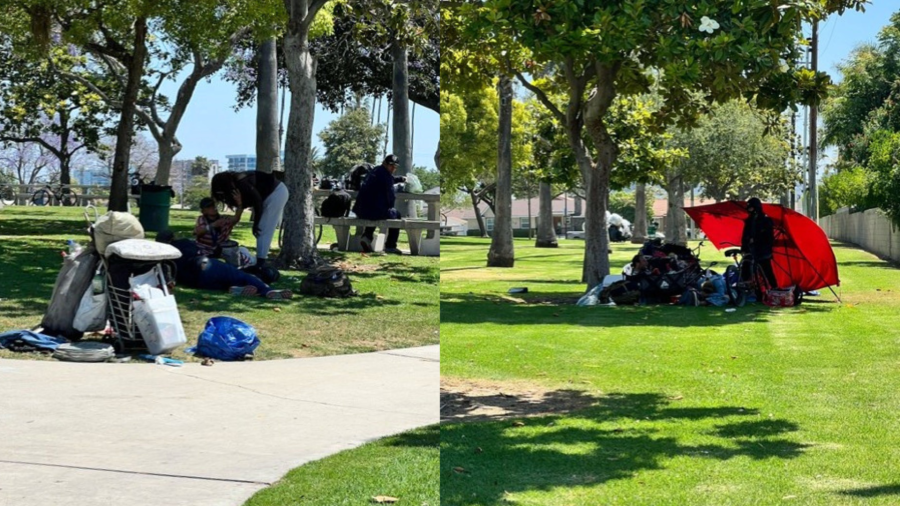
336 205
327 281
622 292
357 175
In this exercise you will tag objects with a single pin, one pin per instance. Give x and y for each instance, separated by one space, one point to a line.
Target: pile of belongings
671 270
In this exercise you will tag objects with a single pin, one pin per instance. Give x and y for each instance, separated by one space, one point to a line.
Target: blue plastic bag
226 338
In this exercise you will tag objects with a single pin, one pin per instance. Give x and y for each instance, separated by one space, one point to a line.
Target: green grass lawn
398 304
661 405
404 467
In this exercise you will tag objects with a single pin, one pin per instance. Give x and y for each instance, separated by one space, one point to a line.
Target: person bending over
259 191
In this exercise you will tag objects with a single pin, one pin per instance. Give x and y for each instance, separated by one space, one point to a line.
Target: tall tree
501 253
299 247
737 151
268 137
719 49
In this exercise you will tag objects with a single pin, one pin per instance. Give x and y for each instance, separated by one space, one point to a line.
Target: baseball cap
391 160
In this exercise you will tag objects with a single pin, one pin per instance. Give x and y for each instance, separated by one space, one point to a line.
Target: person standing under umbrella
758 239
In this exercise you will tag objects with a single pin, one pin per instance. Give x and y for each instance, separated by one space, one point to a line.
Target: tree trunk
675 217
299 248
501 253
167 151
639 230
65 158
546 236
401 126
478 217
596 235
267 138
118 193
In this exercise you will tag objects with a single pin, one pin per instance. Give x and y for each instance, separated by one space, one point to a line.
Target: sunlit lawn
665 405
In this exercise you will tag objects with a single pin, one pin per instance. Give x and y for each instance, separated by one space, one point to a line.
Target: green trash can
155 202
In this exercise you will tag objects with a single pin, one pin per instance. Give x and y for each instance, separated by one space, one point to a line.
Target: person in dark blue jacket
375 201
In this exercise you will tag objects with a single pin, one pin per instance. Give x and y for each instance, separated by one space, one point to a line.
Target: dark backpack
358 175
336 205
327 281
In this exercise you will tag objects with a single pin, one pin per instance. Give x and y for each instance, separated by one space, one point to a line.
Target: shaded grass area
404 466
677 405
398 304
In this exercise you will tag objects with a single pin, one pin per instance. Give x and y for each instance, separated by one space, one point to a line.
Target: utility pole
813 211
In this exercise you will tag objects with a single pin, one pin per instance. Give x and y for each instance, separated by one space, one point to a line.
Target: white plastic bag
159 323
91 313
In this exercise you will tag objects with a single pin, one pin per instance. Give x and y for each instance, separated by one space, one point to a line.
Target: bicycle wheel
42 198
7 195
68 197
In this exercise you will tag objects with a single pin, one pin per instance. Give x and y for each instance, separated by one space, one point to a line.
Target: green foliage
201 166
469 143
844 188
195 192
350 140
737 151
429 178
884 168
867 98
623 203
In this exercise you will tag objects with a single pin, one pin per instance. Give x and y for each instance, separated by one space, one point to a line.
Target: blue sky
212 128
839 35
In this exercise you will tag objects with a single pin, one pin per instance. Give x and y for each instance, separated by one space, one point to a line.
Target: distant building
99 177
242 163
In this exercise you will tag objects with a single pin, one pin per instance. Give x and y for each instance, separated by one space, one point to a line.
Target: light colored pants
272 211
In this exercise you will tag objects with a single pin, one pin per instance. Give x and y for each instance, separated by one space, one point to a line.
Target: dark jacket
758 236
376 197
255 188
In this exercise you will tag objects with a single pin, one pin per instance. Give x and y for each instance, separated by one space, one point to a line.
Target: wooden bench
430 245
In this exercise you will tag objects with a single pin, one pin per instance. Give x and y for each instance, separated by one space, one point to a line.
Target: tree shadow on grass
426 437
875 491
616 437
559 308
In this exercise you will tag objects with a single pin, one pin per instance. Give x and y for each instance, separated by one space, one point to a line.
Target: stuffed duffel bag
327 281
113 227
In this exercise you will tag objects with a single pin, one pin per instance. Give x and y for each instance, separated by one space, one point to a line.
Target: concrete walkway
145 434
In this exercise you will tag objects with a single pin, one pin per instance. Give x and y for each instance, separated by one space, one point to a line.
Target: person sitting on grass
713 290
212 229
196 270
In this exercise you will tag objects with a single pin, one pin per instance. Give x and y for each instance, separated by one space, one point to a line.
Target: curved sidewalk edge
135 434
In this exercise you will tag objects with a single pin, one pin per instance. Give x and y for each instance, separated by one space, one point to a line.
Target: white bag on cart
156 313
91 313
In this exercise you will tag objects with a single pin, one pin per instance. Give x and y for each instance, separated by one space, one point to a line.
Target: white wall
871 230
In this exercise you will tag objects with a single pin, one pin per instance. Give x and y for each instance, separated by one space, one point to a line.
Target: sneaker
393 251
280 295
243 291
366 244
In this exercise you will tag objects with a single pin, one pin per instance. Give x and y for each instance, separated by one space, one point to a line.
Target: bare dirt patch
481 401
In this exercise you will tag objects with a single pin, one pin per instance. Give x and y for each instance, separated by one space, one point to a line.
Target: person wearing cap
262 192
375 201
212 229
758 239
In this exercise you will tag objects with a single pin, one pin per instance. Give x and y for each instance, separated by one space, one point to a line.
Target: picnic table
423 234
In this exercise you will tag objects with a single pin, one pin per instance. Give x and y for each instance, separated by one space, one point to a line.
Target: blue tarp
41 341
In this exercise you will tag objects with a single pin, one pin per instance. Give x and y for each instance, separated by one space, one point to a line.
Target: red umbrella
802 255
